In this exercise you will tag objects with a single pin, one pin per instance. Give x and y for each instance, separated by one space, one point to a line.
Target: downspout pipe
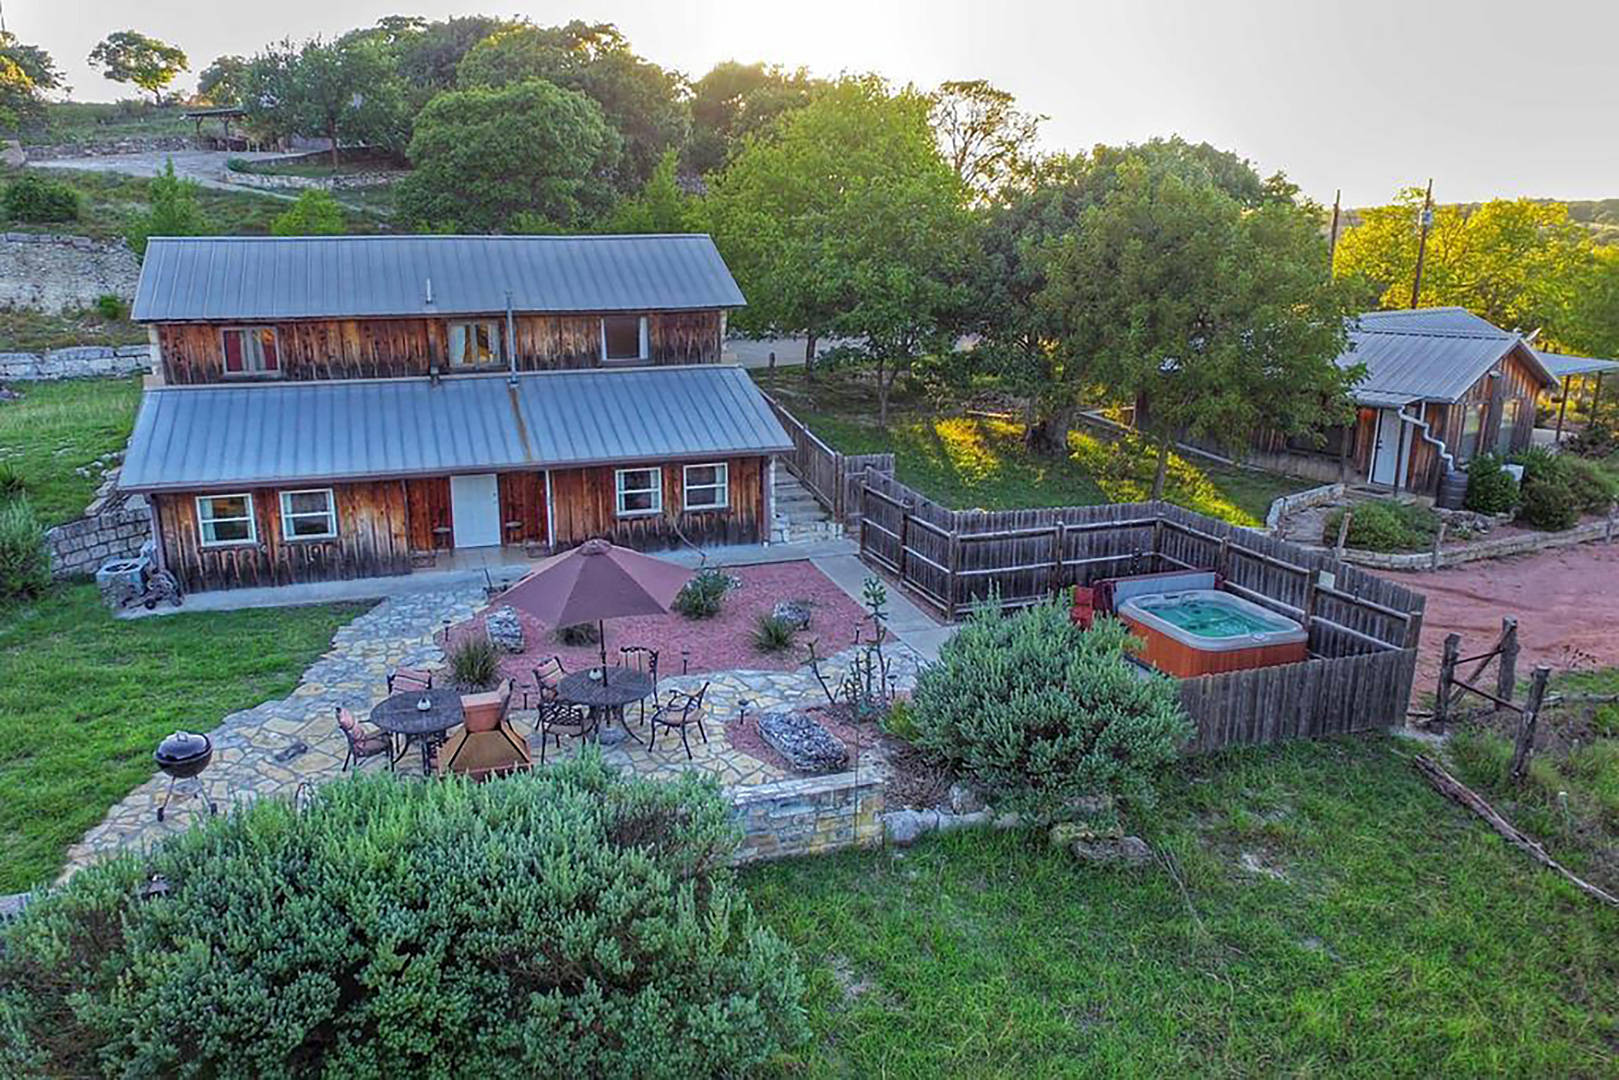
1425 430
511 343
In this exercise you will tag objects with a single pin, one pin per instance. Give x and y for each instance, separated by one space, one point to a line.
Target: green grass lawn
84 699
27 330
967 462
58 427
1378 930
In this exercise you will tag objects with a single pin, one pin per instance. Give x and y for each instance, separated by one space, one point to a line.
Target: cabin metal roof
1562 365
1430 354
240 278
212 437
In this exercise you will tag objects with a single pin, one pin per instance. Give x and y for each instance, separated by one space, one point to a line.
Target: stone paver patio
277 748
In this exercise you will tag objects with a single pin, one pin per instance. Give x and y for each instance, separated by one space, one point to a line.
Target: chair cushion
372 743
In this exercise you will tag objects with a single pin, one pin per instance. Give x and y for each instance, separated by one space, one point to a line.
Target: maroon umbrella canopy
596 581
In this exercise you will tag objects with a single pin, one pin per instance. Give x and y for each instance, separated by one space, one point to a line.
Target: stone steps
800 518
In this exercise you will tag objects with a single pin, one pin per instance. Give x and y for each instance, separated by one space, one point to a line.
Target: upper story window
707 487
474 344
251 350
308 515
226 519
640 491
623 339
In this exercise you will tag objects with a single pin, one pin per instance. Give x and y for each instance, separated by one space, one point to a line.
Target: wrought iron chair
363 745
679 712
403 680
553 717
644 659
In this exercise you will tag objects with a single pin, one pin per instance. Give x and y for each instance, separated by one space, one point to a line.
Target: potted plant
475 671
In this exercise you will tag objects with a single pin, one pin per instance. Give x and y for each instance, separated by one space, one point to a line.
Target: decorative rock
795 613
964 798
903 827
802 740
11 154
1088 846
505 630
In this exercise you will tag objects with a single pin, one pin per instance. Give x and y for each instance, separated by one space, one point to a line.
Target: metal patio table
607 696
401 714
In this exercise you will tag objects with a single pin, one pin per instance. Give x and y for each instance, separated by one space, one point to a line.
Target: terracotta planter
482 712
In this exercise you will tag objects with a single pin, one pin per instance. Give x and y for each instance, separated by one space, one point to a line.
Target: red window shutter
271 361
233 350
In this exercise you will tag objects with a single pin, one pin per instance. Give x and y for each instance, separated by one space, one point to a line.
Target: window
640 491
1510 409
1472 421
251 350
308 515
707 487
623 338
226 519
474 344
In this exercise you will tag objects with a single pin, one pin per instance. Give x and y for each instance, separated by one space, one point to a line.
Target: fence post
1054 572
1447 674
904 535
1438 542
1343 531
865 510
1506 675
1526 731
837 486
952 585
1222 558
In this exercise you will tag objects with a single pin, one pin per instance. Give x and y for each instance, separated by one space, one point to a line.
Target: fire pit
183 756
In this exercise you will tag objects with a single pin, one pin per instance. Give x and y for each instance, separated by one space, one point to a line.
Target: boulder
795 613
11 154
505 629
800 738
964 798
1090 846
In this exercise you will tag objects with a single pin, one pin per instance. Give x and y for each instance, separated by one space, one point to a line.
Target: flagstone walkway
278 747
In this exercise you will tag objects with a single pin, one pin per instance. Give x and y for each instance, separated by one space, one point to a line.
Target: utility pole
1426 221
1332 237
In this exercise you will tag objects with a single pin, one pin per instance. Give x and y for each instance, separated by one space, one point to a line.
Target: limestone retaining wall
78 548
812 815
76 362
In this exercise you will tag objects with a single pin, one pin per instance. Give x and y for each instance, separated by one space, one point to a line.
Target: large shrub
1490 488
1594 487
565 923
1384 525
1548 504
1040 713
703 595
25 569
36 199
1596 441
1557 488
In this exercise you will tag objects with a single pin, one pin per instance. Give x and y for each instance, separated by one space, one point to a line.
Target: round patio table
401 714
606 696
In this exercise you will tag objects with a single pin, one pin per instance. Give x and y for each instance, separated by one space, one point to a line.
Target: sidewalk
915 628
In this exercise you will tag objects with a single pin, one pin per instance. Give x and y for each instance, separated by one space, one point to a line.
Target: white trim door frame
475 510
1391 446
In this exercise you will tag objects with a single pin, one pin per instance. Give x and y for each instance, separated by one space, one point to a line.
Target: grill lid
182 746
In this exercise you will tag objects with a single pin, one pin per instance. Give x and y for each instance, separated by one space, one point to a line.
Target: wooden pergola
1587 369
223 113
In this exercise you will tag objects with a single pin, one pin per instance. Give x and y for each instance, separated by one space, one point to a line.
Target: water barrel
1452 490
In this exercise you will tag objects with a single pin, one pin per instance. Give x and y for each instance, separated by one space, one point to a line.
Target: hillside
1601 216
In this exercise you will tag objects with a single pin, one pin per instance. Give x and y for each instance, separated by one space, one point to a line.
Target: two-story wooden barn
1440 387
341 407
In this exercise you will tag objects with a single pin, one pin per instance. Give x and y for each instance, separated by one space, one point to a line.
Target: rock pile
795 613
505 630
800 738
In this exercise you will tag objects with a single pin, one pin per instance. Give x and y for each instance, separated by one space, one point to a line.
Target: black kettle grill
183 756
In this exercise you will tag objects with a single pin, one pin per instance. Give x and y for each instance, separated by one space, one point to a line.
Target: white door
1393 444
475 510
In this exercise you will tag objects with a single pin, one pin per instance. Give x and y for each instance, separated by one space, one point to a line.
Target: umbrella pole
601 638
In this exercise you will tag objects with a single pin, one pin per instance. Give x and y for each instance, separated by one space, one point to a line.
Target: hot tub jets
1202 632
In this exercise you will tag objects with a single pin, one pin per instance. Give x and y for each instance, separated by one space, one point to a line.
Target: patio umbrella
594 582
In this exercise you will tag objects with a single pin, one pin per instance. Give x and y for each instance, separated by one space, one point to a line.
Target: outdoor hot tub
1202 632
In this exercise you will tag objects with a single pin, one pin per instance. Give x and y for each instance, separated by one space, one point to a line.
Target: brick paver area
278 747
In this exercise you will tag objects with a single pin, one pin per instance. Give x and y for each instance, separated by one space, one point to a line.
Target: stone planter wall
1300 500
1498 548
279 182
79 548
76 362
812 815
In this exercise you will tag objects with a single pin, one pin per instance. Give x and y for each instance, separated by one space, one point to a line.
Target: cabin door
1392 446
475 510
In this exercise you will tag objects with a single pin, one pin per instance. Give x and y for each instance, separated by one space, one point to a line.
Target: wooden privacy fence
834 478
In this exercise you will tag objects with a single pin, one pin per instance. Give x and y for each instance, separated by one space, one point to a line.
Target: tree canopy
346 90
128 56
315 213
224 82
983 134
26 73
734 101
1214 319
484 156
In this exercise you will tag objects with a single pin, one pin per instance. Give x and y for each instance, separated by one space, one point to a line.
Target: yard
59 428
976 461
1322 912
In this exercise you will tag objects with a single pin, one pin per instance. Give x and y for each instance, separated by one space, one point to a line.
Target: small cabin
1441 386
347 407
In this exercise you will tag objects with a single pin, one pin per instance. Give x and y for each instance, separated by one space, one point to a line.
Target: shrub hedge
569 923
1490 488
1385 525
702 596
1558 488
35 199
1040 714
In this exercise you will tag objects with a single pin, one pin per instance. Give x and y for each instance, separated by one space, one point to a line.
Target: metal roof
310 277
1561 365
1432 354
222 436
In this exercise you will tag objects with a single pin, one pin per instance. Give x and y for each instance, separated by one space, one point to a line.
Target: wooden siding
522 507
432 526
372 541
584 503
393 348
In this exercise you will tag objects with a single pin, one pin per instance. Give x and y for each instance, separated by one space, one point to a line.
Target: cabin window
226 519
1472 423
1510 409
640 491
623 338
474 344
707 487
251 350
308 515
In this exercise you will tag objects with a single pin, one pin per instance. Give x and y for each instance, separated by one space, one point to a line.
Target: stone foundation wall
56 272
77 362
811 816
78 548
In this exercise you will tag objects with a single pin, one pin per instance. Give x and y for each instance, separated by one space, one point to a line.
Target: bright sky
1490 98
